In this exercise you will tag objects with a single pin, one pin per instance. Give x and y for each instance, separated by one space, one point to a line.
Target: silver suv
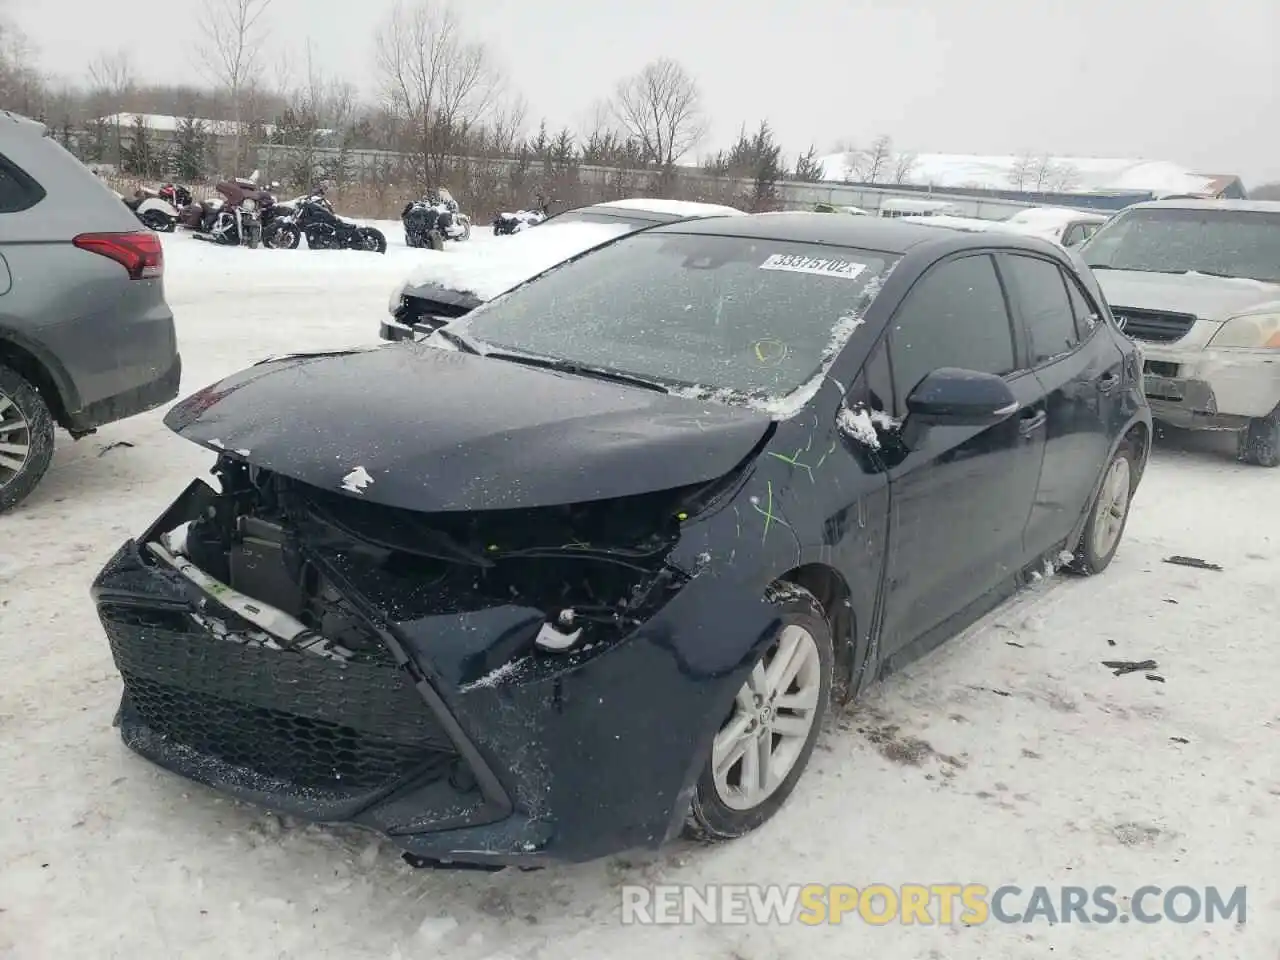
1197 284
86 337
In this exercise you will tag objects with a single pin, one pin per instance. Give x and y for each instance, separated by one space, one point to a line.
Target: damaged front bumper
1210 389
449 733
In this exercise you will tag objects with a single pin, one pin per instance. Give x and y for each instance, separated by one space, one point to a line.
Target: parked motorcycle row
245 213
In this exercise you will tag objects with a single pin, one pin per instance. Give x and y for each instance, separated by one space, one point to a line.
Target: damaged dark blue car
586 569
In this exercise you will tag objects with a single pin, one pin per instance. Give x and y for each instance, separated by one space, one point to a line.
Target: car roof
1248 206
887 235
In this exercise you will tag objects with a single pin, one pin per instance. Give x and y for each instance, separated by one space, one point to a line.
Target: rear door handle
1032 420
1107 382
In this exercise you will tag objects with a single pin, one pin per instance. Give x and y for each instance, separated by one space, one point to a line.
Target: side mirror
961 398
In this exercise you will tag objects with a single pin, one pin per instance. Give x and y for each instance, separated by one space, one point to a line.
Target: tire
285 237
1101 539
434 240
25 420
254 238
466 230
372 240
721 809
1260 442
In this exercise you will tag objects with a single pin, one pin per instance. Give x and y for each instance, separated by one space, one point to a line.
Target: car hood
487 269
414 427
1211 298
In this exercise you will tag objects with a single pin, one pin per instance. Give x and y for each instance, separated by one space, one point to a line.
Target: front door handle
1032 420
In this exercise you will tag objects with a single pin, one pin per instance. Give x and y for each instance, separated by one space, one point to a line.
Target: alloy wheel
15 440
1113 505
772 716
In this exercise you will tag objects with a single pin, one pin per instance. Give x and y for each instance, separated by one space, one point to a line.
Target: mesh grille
310 721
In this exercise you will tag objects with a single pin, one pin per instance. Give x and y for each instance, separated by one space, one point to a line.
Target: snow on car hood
486 270
1210 298
417 428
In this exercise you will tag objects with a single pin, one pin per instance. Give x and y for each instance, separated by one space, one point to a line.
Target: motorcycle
325 230
434 219
159 210
505 224
280 230
234 219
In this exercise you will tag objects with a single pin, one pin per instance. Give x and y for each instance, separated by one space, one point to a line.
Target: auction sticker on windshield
794 263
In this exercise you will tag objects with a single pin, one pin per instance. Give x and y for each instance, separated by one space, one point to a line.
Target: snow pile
677 208
493 268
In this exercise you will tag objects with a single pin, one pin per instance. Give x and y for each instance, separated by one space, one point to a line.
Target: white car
1197 284
451 285
1062 225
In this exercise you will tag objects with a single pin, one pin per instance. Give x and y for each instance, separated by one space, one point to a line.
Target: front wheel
283 237
1110 513
435 240
372 240
1260 442
764 745
26 438
253 236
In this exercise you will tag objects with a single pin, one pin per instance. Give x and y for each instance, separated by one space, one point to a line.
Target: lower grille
291 716
1154 326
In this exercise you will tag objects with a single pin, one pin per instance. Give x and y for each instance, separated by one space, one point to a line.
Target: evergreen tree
189 157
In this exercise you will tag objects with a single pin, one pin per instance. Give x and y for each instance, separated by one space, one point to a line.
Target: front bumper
394 330
1210 389
448 744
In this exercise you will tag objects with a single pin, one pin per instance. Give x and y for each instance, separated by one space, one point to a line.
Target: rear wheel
764 745
372 240
1260 442
26 438
1110 513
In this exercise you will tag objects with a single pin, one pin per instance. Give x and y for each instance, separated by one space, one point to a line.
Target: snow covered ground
1008 756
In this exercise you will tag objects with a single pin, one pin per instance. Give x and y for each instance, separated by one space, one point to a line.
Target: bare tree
1020 172
1064 177
111 76
436 82
1042 172
235 32
904 164
21 86
661 108
875 160
1266 191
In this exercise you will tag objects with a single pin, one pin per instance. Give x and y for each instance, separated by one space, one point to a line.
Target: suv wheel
26 438
1260 442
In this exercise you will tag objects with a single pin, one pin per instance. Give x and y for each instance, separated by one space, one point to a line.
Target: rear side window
1042 293
18 191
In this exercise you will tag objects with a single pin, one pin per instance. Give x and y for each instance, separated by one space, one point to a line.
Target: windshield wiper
457 339
581 370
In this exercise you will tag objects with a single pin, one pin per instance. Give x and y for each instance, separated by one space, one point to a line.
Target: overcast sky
1191 82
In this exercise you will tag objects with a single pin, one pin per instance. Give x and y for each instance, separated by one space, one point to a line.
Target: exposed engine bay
281 554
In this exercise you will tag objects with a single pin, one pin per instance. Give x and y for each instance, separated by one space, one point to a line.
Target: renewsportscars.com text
929 904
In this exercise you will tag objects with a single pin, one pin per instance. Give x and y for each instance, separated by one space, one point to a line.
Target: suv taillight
140 253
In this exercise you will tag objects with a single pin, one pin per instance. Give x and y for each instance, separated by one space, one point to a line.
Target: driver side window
955 316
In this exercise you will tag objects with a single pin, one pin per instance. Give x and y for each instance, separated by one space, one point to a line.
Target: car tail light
139 253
